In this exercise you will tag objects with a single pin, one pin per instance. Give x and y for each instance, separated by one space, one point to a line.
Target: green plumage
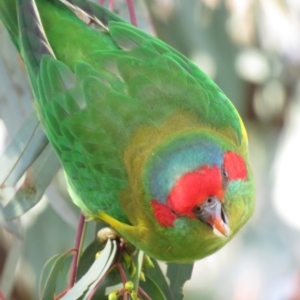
108 98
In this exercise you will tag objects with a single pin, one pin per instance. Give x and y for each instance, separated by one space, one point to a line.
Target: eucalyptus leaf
38 178
178 275
50 274
9 225
86 260
157 275
138 261
23 150
96 272
62 205
151 287
109 263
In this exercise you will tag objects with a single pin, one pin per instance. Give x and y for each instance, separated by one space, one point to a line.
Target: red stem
144 294
76 255
2 297
132 14
111 5
121 272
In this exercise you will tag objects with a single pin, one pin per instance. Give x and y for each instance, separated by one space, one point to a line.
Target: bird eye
225 177
198 208
224 174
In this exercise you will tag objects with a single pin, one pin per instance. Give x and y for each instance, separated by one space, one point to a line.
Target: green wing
95 88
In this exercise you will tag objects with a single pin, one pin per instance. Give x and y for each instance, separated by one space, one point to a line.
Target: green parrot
148 142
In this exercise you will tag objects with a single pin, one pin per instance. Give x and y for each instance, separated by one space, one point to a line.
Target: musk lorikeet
148 142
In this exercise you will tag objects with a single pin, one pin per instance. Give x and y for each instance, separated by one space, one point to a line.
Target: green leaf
23 150
9 225
138 260
88 257
159 278
86 260
111 282
178 275
95 274
50 274
38 178
152 289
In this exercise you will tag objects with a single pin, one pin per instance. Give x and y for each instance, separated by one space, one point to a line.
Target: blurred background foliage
251 48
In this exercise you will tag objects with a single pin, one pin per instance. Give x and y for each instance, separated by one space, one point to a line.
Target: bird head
189 178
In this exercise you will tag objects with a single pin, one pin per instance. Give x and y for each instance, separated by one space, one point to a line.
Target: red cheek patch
163 214
235 166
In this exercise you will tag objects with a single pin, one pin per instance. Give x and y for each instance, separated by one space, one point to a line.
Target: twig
144 294
2 297
132 13
111 5
78 245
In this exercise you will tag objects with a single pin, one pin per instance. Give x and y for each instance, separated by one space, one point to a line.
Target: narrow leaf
95 273
10 225
23 150
109 262
157 275
138 260
37 179
152 289
178 275
50 274
86 260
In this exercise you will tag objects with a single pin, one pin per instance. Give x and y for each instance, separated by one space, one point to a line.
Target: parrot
148 142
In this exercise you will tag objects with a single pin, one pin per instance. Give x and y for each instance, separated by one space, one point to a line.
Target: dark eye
225 174
225 177
197 208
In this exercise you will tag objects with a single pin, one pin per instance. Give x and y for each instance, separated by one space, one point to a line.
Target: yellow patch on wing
112 222
130 232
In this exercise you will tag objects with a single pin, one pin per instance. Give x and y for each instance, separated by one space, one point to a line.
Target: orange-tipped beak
212 213
220 228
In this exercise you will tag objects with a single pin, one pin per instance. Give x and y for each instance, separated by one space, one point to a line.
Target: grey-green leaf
94 274
23 150
178 275
37 179
10 225
157 275
51 271
151 287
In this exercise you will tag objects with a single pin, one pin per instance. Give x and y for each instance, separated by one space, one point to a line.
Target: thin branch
2 297
132 14
121 272
78 245
111 5
144 294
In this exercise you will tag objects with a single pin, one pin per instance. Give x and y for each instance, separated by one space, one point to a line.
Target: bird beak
212 213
